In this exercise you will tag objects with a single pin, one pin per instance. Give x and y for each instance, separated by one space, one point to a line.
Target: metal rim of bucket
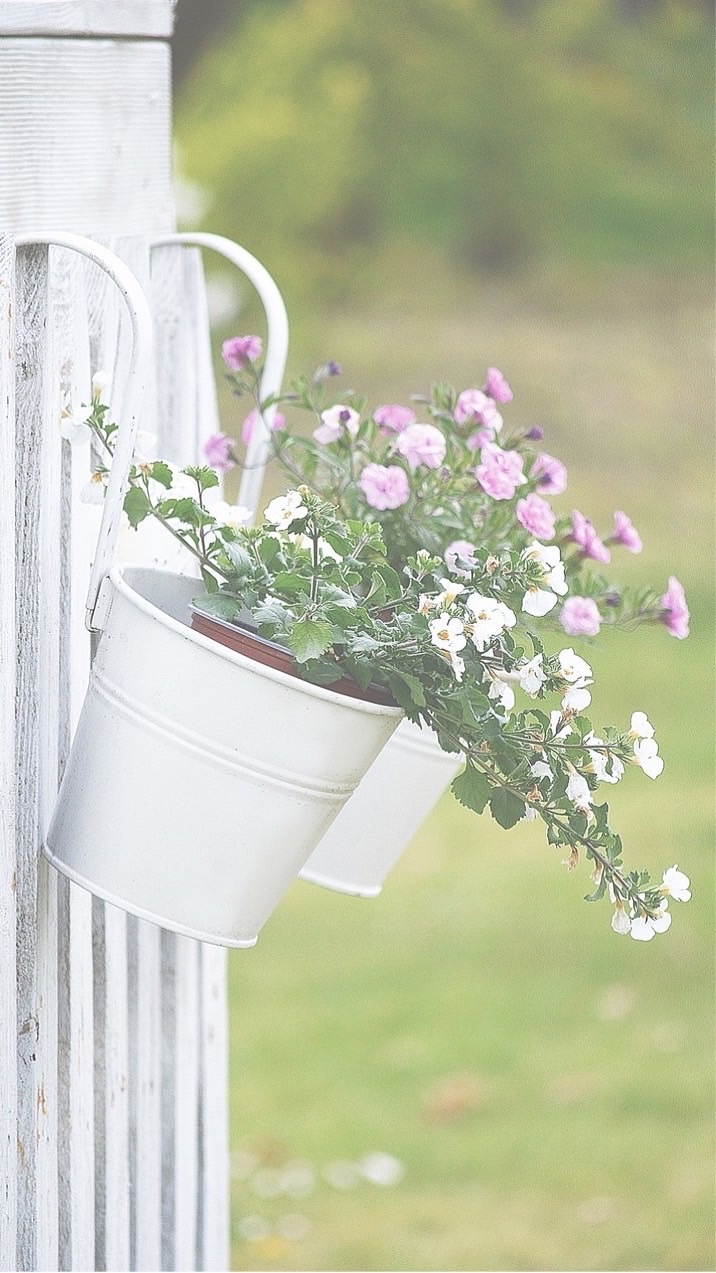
135 598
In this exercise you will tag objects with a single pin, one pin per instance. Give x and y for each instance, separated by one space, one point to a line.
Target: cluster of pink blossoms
499 474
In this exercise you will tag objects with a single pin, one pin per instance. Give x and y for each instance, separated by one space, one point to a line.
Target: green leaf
162 473
203 475
309 639
210 581
219 605
506 809
291 584
472 788
599 891
136 506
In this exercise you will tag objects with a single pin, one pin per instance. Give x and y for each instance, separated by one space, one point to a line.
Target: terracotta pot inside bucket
252 646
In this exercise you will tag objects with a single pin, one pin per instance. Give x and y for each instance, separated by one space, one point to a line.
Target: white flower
573 668
101 387
675 884
74 427
448 634
456 663
503 693
538 600
233 515
540 769
182 487
490 618
644 927
576 699
578 792
641 727
607 767
558 731
621 922
145 444
285 509
532 675
426 603
449 593
93 491
647 755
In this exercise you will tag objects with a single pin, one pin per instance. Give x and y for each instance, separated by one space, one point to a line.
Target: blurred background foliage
496 133
438 186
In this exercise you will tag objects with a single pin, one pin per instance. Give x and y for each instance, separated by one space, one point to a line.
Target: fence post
103 1020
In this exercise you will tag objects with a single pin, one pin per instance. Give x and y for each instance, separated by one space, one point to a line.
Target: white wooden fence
113 1119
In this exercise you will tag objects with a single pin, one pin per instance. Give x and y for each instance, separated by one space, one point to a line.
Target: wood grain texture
8 1009
87 17
113 1152
31 310
106 103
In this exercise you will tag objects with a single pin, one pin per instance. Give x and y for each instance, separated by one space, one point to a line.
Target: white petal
576 699
621 922
641 929
661 924
538 602
640 725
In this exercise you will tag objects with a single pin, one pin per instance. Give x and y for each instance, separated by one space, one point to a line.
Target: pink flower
474 407
551 473
625 534
500 471
385 487
496 386
239 351
580 616
217 452
392 418
535 514
335 420
422 444
586 537
476 441
675 612
247 428
459 548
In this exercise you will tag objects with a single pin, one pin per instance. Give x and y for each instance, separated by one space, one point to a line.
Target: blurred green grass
547 1086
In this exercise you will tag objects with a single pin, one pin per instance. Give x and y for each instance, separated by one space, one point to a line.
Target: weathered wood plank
213 1221
75 960
8 1009
32 322
111 1088
77 17
106 104
145 969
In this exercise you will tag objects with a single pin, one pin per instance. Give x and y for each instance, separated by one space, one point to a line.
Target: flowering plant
447 629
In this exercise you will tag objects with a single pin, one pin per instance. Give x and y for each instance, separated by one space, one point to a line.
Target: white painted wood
213 1199
186 1103
106 104
34 1102
87 17
84 146
145 970
8 1009
75 999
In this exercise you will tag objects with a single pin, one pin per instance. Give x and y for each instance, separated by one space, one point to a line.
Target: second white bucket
400 789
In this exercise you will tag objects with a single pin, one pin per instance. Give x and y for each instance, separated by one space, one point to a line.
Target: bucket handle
259 447
137 377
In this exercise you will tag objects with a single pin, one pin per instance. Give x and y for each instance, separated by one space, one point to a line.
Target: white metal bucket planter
199 781
402 786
